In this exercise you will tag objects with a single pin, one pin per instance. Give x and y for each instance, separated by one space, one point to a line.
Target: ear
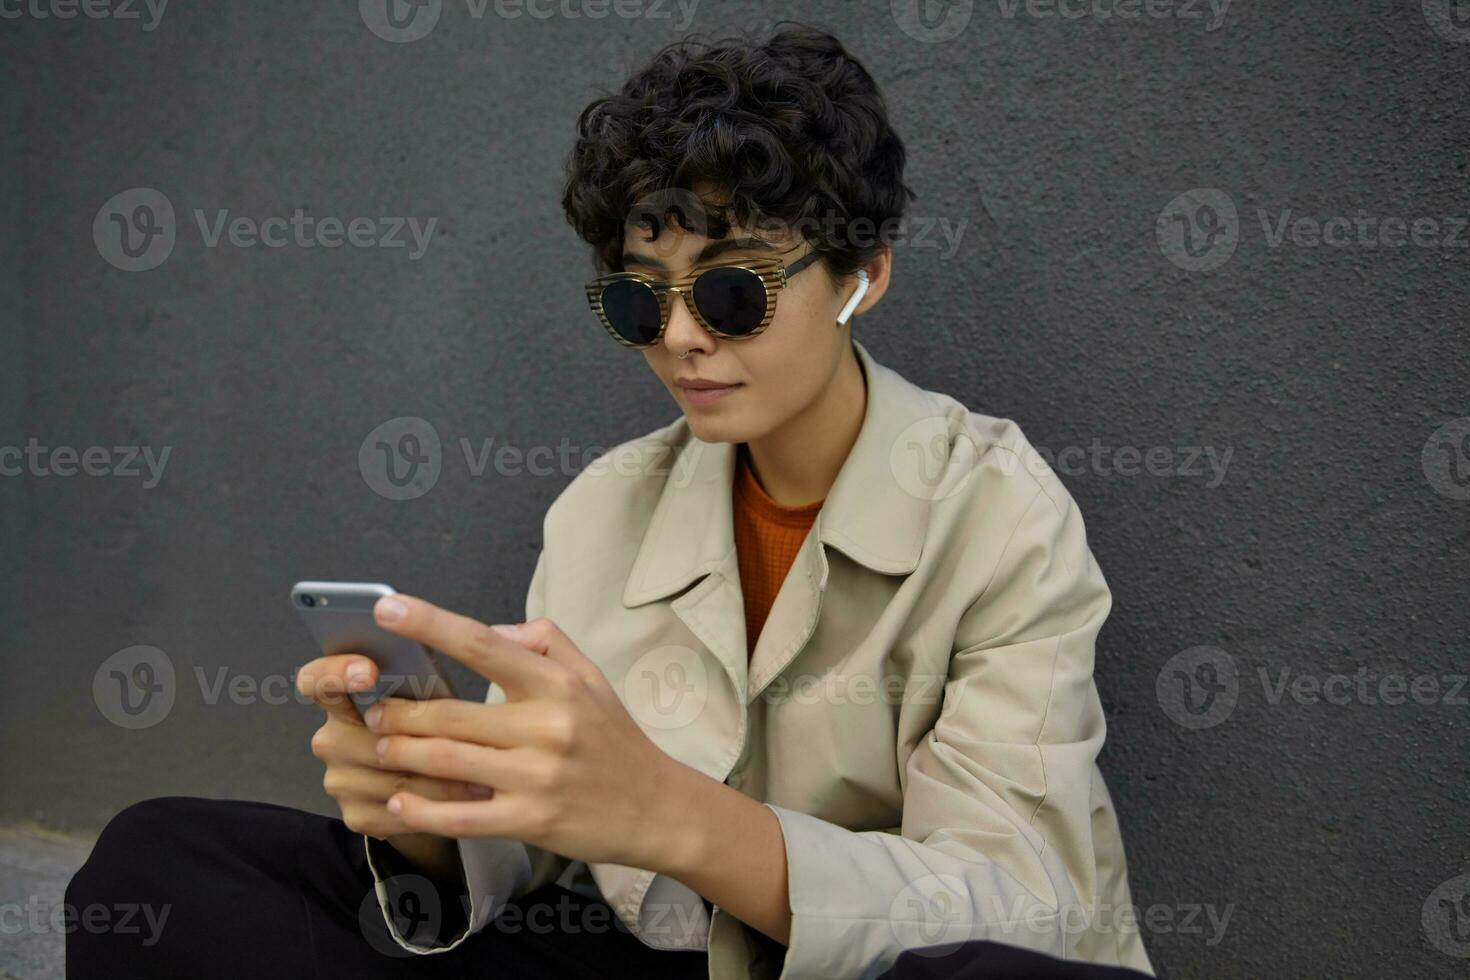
857 297
872 283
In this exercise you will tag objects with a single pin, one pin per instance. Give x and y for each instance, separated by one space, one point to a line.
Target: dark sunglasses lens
632 309
732 300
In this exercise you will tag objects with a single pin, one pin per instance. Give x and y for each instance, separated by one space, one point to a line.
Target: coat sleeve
493 870
996 838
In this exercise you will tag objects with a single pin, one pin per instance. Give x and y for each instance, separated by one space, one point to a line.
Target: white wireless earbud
857 298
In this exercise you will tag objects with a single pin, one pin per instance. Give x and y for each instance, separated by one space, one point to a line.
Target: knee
141 825
130 841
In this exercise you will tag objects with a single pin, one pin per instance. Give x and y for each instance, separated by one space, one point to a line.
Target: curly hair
790 132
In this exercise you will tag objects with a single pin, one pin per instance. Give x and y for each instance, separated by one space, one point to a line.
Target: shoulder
1000 447
1009 534
977 457
622 484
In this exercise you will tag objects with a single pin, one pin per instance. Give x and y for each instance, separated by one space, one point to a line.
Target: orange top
767 538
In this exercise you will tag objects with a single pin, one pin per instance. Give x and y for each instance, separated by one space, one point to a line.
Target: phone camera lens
308 601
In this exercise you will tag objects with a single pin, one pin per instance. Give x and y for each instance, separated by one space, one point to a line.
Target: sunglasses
735 301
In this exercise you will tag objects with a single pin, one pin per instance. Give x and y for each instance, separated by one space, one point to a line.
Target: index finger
326 681
489 653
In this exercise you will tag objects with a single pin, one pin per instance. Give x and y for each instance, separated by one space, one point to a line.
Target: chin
706 429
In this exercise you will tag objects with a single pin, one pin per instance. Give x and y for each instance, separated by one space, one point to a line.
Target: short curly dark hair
790 132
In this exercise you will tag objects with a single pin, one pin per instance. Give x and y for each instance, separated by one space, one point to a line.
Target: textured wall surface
1253 421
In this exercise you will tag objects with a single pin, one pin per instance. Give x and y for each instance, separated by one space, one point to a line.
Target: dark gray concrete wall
1332 541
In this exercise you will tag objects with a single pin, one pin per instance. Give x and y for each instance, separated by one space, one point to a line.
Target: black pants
982 959
181 887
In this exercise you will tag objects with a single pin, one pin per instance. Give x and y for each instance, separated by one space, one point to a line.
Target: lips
701 383
707 396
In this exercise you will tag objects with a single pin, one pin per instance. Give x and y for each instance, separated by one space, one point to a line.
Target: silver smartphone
340 618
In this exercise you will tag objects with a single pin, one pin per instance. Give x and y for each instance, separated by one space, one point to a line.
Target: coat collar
868 514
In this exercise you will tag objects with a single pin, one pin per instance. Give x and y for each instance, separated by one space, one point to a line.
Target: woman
806 677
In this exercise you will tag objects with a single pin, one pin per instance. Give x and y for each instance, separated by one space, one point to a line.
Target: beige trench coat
919 711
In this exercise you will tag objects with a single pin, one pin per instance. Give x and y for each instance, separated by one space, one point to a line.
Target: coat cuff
859 899
493 870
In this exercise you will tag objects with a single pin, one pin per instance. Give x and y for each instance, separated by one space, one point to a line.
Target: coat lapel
873 515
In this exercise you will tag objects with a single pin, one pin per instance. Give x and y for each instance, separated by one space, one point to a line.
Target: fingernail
478 791
509 631
391 610
371 716
358 677
382 746
395 805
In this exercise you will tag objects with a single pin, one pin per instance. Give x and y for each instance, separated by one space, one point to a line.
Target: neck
798 462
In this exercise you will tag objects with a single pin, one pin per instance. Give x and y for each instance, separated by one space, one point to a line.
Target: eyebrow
711 251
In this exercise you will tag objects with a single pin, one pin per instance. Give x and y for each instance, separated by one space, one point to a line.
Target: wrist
683 822
432 856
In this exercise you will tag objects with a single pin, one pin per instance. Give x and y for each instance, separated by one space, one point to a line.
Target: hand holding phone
339 616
